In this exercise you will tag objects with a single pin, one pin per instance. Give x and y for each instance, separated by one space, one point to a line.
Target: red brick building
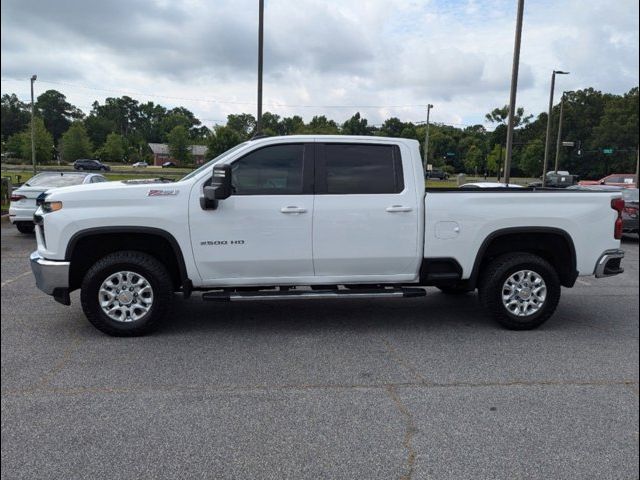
161 154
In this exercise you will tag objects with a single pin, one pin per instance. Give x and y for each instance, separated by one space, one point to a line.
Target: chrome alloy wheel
125 296
524 293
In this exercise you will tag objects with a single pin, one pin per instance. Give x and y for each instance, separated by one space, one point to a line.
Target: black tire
25 227
454 289
137 262
496 274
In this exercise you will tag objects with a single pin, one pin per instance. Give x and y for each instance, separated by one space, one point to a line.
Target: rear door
365 221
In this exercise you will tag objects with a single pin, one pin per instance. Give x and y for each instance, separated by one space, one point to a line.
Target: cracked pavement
409 389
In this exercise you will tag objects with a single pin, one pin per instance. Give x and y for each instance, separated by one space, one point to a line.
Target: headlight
48 207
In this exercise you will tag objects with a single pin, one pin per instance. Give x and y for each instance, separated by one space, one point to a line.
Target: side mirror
219 189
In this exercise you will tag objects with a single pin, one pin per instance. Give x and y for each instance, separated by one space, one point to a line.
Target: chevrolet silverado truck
317 217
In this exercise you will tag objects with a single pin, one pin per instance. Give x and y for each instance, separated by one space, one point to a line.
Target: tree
56 112
179 147
495 159
76 143
21 143
113 149
15 116
292 125
356 126
222 139
531 159
501 115
322 126
473 161
244 124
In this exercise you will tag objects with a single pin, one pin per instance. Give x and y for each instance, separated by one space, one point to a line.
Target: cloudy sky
380 57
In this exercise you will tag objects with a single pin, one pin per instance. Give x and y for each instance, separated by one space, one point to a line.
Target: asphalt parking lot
417 388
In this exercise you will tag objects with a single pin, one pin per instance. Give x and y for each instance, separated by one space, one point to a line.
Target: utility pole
514 88
559 141
545 163
33 134
426 139
260 50
637 163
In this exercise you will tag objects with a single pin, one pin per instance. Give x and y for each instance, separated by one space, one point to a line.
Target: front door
261 234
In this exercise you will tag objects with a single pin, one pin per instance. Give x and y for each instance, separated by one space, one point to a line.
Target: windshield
210 163
630 195
55 180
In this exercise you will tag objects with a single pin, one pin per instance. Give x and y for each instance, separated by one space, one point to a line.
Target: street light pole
548 137
559 141
33 134
426 139
514 88
260 49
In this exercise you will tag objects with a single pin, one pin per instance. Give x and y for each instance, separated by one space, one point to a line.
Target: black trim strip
473 279
145 230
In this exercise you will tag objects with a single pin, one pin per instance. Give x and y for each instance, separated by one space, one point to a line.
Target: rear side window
360 169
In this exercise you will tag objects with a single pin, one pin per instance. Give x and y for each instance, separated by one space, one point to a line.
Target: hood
116 193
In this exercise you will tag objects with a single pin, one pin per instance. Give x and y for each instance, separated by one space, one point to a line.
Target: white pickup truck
308 217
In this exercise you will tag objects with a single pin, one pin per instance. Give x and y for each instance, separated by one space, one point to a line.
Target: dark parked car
168 164
559 179
88 164
439 174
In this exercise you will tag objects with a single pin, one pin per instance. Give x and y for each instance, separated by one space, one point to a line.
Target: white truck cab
305 217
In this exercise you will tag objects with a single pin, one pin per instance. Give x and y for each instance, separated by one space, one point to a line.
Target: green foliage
474 160
20 143
14 118
243 124
495 159
75 143
531 159
321 125
114 149
356 126
56 112
179 146
222 139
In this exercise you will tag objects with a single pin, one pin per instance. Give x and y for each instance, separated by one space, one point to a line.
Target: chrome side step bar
309 294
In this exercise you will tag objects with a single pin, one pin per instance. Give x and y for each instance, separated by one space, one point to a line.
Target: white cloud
391 55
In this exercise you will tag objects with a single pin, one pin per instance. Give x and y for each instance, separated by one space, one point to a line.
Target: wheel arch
553 244
87 246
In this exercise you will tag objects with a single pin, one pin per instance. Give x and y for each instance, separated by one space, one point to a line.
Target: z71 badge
162 192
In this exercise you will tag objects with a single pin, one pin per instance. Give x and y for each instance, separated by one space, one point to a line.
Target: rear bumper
21 214
52 276
608 264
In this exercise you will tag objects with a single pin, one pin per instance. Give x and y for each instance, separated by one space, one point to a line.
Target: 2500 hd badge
222 242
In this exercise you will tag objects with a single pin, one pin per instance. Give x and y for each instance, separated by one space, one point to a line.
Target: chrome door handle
398 208
293 209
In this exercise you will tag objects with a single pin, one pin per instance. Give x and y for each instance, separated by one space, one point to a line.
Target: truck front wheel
520 290
126 293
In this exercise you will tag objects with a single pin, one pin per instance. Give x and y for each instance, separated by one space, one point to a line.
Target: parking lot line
11 280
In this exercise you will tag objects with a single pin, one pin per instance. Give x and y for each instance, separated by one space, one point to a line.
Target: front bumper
52 276
608 264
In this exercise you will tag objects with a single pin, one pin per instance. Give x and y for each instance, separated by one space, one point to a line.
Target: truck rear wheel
126 294
520 290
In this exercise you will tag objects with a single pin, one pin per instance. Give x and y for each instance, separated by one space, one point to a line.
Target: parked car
346 215
490 185
630 217
24 199
89 164
140 165
439 174
168 165
559 179
626 180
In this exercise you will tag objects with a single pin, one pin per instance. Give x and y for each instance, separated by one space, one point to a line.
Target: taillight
17 198
618 205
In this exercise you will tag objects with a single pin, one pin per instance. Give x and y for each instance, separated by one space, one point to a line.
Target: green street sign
607 151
